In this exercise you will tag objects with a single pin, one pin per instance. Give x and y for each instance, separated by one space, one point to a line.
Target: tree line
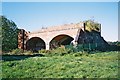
8 34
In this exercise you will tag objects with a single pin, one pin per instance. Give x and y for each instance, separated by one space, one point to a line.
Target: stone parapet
60 28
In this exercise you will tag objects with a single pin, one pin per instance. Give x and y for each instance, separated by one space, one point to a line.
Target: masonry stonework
53 36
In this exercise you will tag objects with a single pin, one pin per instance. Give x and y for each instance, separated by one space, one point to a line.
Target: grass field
76 65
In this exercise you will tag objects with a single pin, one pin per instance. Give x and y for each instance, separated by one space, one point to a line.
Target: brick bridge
50 37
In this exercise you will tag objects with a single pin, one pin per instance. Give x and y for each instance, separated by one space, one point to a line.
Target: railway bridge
51 37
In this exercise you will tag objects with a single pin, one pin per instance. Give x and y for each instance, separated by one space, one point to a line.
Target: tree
0 37
92 26
9 34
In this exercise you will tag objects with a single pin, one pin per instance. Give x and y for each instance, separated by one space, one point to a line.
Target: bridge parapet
60 28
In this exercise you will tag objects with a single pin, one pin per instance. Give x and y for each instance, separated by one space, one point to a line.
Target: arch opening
60 40
35 44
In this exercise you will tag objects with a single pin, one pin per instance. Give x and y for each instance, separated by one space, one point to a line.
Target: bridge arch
35 44
61 39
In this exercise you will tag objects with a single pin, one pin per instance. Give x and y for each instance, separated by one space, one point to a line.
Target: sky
31 16
59 0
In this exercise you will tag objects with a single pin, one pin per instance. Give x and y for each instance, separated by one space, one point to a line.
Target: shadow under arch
59 40
35 44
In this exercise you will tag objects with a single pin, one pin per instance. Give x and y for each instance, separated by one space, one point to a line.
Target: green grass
99 65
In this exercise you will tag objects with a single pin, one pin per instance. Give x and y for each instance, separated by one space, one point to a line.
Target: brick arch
55 35
35 44
67 33
61 39
48 34
36 35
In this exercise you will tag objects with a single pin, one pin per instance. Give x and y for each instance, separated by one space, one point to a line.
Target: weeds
73 65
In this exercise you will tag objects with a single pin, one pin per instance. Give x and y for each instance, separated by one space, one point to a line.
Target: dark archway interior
60 40
35 44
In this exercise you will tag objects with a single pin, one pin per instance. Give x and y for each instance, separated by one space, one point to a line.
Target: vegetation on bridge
91 25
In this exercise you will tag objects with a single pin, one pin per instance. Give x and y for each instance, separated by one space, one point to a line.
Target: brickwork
48 34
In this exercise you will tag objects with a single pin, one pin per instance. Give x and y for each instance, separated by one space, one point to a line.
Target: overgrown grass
73 65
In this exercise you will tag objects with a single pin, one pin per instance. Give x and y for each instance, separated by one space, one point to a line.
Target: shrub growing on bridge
92 26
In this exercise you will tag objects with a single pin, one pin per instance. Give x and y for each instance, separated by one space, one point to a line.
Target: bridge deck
59 28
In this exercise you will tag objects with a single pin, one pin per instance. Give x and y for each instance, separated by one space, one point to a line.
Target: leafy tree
92 26
9 34
0 36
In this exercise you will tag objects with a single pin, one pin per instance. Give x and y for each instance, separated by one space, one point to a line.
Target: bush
61 51
20 52
56 52
17 51
65 51
27 52
71 48
43 51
